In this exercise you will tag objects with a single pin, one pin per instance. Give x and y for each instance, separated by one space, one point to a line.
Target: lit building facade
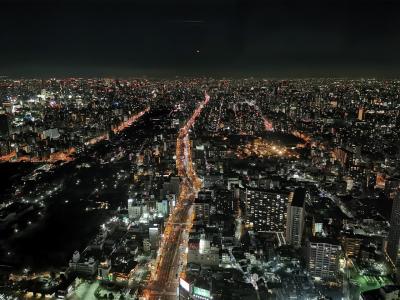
134 209
295 217
266 210
392 248
323 258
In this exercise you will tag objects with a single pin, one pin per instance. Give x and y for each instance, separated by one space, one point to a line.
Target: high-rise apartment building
266 210
323 257
295 217
392 248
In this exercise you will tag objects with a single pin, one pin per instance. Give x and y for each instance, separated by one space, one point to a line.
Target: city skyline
199 188
199 150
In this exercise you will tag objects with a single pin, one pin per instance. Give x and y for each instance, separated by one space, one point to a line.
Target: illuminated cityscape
184 193
199 150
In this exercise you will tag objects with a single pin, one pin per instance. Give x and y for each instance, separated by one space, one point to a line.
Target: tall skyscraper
266 210
295 217
392 248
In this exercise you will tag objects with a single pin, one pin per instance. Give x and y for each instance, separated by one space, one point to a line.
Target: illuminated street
164 280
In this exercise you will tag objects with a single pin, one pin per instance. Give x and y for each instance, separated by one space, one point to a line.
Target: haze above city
284 39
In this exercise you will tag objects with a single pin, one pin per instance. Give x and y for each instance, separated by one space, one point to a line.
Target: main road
170 260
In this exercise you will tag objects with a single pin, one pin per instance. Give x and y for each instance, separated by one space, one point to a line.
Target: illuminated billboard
185 285
201 292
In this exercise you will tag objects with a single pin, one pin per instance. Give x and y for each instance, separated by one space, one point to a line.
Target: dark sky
235 38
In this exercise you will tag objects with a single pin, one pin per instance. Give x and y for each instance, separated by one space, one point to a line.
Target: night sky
197 38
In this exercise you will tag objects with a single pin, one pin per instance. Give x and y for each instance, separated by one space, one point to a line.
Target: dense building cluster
40 117
219 189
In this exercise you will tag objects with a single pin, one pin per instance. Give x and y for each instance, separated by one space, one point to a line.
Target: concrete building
322 257
84 266
392 248
154 236
146 245
200 251
134 209
266 210
202 209
51 133
295 218
162 207
352 245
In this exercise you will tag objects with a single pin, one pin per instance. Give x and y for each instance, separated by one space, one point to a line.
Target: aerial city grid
193 157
